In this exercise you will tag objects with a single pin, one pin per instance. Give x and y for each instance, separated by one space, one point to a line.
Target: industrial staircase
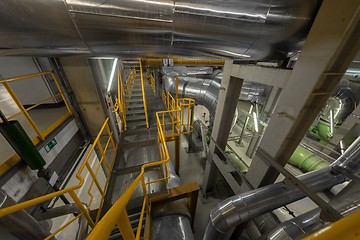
135 96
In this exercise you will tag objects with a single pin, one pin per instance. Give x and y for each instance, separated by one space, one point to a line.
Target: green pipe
306 160
323 131
22 144
236 161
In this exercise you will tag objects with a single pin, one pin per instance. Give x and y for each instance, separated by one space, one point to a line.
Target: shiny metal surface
349 160
205 91
176 227
20 225
138 157
158 28
305 224
244 207
342 103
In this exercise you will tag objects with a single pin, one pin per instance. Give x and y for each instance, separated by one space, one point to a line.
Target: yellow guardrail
152 82
86 170
117 214
120 105
25 111
143 94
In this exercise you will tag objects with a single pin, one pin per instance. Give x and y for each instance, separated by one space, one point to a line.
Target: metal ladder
136 109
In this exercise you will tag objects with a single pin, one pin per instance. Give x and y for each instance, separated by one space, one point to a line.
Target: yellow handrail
71 190
143 94
117 214
120 105
40 134
152 83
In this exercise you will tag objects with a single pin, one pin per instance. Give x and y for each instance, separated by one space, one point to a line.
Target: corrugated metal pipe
241 208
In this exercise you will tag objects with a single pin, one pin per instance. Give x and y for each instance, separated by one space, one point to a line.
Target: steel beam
225 110
275 77
329 49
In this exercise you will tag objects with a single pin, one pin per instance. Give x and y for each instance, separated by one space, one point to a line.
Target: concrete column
225 110
329 49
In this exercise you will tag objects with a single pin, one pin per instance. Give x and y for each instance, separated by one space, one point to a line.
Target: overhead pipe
244 207
205 91
164 28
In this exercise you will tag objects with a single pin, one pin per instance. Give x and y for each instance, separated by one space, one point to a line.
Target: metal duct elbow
241 208
205 91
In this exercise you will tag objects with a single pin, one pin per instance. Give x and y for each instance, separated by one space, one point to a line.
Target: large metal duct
19 225
205 91
309 222
244 207
251 29
174 213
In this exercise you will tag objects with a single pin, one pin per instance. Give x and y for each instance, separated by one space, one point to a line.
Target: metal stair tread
134 112
135 118
136 100
134 106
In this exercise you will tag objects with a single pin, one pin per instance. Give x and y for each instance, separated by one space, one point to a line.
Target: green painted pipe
324 132
236 161
306 160
22 144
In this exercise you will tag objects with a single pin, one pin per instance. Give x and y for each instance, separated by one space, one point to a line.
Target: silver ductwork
205 91
244 207
310 222
176 212
129 28
19 225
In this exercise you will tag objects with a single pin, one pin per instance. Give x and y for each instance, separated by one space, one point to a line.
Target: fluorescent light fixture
112 74
256 124
332 122
342 146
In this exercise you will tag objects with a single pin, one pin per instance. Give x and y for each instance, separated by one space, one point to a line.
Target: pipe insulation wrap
171 220
20 224
244 207
205 92
309 222
306 160
164 28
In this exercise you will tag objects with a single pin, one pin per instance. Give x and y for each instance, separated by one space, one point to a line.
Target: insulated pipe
244 207
241 208
20 224
306 160
164 28
309 222
205 91
171 219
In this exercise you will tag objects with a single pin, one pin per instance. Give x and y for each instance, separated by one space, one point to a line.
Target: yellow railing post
23 110
80 205
143 94
61 92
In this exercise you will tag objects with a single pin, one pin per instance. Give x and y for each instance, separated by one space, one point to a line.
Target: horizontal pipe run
244 207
